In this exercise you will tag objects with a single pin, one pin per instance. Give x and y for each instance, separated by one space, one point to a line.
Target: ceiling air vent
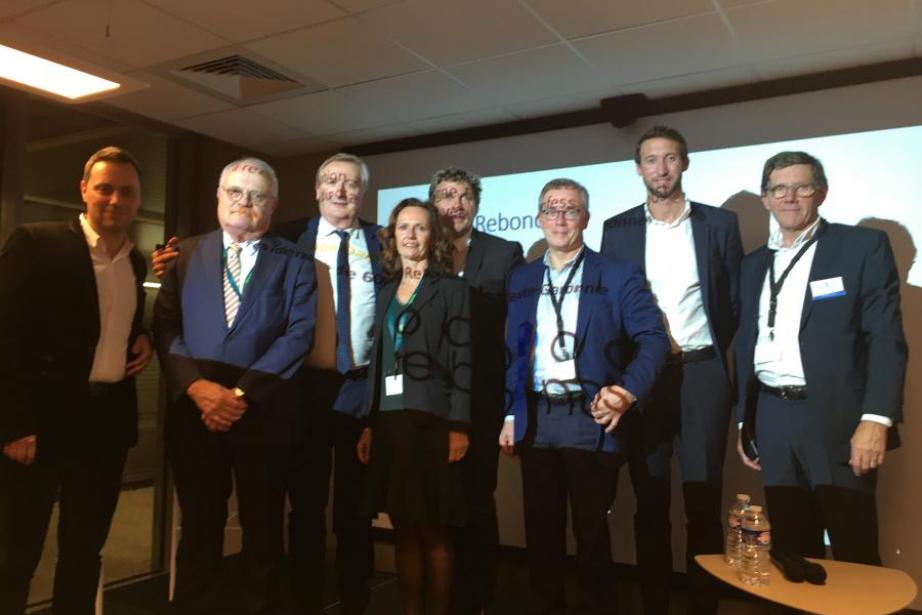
238 77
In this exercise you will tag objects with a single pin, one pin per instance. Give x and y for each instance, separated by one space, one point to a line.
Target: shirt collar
249 244
775 240
686 212
566 265
93 239
325 229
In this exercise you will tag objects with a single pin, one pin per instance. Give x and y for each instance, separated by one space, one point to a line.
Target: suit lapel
635 243
267 261
823 266
373 243
83 267
208 255
587 300
701 234
307 241
474 259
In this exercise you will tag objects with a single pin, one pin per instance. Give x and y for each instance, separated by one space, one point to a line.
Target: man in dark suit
233 321
334 387
821 362
691 255
70 413
485 262
573 393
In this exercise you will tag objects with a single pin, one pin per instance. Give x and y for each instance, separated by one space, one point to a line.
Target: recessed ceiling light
41 74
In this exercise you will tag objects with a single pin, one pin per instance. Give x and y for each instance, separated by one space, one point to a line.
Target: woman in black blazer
419 403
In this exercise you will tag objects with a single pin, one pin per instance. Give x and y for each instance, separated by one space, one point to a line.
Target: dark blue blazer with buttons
615 306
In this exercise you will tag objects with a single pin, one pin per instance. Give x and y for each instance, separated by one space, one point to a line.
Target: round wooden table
850 589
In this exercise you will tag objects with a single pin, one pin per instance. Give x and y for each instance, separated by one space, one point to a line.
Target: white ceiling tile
322 113
299 146
138 34
242 127
31 40
372 135
447 31
457 121
730 4
10 8
165 100
561 104
530 75
414 97
575 18
831 60
338 53
672 86
663 50
794 27
236 20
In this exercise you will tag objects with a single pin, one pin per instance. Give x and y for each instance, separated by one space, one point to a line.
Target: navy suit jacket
718 251
267 341
852 346
615 306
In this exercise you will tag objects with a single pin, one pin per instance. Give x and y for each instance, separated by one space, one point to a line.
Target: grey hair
783 160
563 183
345 157
261 166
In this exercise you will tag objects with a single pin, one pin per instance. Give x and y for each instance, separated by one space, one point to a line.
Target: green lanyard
230 277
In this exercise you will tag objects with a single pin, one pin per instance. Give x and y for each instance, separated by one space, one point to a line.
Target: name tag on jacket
827 289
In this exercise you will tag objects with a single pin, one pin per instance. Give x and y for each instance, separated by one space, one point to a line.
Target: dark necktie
343 296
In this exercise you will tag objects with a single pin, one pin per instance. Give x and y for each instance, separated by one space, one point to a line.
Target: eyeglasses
237 195
780 191
568 214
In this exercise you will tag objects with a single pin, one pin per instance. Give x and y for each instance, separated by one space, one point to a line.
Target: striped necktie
232 283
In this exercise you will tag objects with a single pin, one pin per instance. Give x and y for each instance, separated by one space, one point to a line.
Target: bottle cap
755 508
742 497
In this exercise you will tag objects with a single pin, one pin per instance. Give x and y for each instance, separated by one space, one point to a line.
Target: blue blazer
615 306
268 339
852 346
718 251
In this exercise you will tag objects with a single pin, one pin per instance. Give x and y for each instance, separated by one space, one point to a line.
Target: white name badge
565 370
393 385
827 289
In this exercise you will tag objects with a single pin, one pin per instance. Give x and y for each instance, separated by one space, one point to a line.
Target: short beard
666 192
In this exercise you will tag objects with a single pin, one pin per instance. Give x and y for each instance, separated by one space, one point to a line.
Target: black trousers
206 466
588 481
477 544
81 468
326 445
687 413
809 488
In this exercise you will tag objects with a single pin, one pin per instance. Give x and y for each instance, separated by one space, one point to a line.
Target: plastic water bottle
735 529
756 559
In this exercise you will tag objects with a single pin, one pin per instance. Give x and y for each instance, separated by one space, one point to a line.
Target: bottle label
763 537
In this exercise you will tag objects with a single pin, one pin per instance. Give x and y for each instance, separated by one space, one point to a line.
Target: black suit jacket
489 263
436 357
49 328
718 250
852 346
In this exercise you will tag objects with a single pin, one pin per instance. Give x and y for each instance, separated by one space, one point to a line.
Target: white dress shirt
361 284
118 301
777 359
672 271
249 250
550 359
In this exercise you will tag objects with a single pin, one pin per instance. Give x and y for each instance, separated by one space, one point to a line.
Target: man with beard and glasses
485 262
691 256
